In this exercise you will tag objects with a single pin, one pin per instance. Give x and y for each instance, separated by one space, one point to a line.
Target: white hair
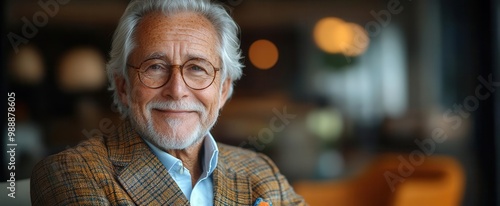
123 39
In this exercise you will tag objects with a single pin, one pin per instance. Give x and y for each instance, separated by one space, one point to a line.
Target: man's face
173 116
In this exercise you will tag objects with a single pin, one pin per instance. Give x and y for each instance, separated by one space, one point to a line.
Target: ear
226 85
121 88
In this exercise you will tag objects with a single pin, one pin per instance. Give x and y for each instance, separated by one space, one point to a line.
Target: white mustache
177 105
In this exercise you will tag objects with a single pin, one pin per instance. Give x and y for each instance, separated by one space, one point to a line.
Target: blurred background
381 102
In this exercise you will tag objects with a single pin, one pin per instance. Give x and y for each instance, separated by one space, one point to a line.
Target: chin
175 135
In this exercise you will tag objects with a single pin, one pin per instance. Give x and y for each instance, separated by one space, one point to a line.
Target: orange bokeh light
334 35
263 54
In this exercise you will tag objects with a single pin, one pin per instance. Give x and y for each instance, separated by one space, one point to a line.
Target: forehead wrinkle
193 53
186 36
199 33
200 24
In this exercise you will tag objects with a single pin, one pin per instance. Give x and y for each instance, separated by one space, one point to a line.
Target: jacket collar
230 188
147 181
140 172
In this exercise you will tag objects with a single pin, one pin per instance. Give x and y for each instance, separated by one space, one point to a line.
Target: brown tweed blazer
121 170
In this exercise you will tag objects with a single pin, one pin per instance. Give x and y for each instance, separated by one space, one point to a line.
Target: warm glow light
27 66
82 69
333 35
263 54
359 42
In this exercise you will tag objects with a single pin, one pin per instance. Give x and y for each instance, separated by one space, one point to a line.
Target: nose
175 89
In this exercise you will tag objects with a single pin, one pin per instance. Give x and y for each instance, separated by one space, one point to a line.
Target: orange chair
434 180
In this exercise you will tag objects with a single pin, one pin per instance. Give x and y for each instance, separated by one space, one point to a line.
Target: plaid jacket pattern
121 170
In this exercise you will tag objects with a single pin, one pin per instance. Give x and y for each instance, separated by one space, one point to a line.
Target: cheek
139 96
211 99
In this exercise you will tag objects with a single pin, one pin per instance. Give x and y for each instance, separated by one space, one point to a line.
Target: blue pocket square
262 202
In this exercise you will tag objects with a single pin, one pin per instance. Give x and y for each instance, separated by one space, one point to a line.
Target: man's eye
155 71
196 68
155 68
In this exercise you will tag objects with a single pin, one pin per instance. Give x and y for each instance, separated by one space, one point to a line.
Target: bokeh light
359 42
27 66
326 124
263 54
334 35
82 69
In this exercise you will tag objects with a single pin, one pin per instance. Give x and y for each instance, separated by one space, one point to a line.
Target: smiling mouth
174 112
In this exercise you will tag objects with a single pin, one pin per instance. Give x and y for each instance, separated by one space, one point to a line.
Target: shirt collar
210 156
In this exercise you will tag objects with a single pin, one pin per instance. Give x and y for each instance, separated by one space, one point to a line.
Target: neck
191 159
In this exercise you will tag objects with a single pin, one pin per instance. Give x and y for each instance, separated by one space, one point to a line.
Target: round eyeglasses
197 73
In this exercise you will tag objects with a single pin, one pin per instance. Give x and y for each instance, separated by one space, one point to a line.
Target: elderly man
172 67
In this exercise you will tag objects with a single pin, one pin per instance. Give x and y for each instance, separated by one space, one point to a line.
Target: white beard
172 140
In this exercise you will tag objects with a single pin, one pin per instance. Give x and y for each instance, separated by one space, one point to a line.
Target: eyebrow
160 55
156 55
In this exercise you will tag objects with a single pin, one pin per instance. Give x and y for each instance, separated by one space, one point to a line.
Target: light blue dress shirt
203 191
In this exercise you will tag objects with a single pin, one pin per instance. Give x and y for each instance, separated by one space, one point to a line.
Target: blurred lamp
82 69
325 123
335 36
27 66
263 54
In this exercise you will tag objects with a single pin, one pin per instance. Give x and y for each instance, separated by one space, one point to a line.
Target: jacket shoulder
60 179
264 177
246 161
84 154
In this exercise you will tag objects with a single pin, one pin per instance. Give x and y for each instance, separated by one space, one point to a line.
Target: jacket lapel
140 172
230 188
